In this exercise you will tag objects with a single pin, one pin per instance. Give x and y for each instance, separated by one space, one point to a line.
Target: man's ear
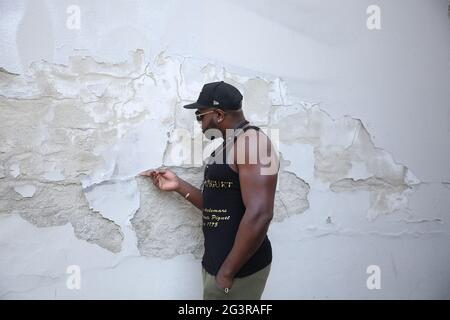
220 115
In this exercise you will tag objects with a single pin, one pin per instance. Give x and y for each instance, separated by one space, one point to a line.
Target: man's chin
204 130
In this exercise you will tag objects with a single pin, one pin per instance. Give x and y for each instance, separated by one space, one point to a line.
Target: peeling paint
384 196
85 131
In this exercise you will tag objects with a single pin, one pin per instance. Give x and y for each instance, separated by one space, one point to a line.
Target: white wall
364 123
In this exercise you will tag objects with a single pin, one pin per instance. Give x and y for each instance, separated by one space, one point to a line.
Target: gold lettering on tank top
212 220
217 184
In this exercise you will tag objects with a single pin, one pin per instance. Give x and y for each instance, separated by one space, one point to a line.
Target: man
237 199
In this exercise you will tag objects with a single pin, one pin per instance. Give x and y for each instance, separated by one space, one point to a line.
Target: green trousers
246 288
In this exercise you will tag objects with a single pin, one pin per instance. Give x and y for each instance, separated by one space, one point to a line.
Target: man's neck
233 125
238 123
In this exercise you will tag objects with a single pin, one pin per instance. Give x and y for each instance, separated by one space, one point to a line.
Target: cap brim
194 105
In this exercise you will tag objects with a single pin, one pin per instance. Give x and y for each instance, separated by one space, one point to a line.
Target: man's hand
163 179
224 281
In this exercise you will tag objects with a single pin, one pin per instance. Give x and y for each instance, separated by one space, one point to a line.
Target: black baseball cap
219 95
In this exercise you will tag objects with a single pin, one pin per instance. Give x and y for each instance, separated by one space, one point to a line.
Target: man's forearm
251 233
195 195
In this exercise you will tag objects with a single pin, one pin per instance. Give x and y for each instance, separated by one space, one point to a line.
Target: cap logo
215 103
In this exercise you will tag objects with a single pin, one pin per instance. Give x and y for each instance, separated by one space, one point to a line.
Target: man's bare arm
195 194
258 193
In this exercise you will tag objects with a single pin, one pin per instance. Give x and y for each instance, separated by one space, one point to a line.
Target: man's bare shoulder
256 148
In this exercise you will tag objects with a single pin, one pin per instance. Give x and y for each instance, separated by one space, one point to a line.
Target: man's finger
159 182
147 173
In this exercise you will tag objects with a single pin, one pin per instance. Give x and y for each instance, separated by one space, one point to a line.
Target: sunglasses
199 116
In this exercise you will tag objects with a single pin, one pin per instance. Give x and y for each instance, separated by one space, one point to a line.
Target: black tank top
223 210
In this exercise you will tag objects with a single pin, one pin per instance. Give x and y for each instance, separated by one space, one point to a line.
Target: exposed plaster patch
343 152
385 197
66 116
165 224
291 196
94 228
59 203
